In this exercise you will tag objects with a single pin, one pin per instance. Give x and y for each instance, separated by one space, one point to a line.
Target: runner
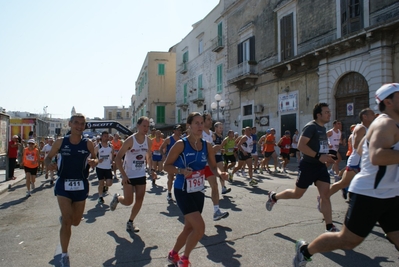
46 149
217 140
334 140
254 152
135 149
353 165
116 145
188 159
72 186
285 146
31 163
244 156
104 152
228 146
294 146
157 163
41 159
374 191
207 135
269 141
313 143
168 144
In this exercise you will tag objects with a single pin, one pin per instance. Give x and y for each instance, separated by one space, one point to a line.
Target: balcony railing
244 70
183 68
217 44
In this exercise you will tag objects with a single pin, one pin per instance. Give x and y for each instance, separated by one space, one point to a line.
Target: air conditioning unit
258 108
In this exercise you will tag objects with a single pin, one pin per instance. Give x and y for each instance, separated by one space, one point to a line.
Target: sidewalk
5 185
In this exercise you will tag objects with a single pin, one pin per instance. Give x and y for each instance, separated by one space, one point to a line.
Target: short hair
192 115
217 124
335 122
381 105
363 112
104 132
141 119
77 115
318 108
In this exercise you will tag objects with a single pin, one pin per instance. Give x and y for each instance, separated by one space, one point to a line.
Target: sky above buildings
84 53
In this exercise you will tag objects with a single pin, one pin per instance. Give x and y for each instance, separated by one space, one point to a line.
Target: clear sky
84 53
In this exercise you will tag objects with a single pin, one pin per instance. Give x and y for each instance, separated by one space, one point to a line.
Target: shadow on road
220 250
130 253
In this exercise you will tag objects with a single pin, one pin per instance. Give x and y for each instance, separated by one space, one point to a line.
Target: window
200 86
52 125
220 34
351 16
160 114
178 116
247 110
118 115
185 93
219 78
200 46
127 114
247 123
185 57
246 50
161 69
287 36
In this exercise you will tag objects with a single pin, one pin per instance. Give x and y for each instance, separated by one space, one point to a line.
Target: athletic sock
130 221
215 208
274 197
329 226
64 254
305 252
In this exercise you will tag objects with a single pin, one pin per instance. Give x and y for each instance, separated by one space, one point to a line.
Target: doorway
288 122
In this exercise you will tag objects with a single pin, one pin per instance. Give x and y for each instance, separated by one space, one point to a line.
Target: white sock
215 208
64 254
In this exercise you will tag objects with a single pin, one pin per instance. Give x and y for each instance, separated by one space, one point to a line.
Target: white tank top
248 144
104 153
376 181
208 137
134 163
334 140
354 158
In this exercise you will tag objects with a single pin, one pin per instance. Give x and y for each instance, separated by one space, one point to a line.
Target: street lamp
152 123
220 104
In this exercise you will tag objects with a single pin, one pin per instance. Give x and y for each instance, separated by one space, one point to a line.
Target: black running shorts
310 173
189 202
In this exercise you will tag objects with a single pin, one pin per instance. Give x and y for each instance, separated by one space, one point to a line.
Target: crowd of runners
194 154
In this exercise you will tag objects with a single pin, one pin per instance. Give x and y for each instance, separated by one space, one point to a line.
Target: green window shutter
246 123
185 56
161 69
199 86
185 93
219 80
178 116
220 34
160 114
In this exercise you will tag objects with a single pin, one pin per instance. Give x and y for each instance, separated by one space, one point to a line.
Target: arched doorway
352 89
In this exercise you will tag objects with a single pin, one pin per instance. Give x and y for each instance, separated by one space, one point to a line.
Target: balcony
243 75
199 101
217 44
183 68
183 106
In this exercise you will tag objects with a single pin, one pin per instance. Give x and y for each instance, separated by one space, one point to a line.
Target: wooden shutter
252 48
287 36
219 79
160 114
199 86
220 34
185 93
239 53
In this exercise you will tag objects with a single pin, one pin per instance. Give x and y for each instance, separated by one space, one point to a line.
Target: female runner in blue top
187 159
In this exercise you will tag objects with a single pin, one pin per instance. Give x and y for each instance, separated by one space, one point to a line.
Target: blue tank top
254 138
192 158
171 143
218 140
73 161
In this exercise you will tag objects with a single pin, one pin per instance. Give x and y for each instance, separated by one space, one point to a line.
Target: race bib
324 147
138 165
195 182
287 146
30 157
104 157
156 153
230 150
73 185
218 153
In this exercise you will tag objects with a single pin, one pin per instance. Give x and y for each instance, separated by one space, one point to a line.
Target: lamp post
220 104
152 123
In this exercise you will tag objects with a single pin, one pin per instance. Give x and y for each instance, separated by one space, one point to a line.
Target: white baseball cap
385 90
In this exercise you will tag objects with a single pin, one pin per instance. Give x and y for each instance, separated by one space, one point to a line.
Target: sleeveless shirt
104 153
134 162
334 140
73 159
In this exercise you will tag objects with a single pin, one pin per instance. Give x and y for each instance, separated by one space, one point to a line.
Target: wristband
317 156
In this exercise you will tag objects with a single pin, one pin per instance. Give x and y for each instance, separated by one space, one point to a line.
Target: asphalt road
249 236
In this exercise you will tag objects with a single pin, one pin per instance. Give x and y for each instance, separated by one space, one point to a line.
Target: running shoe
300 260
285 171
219 215
243 173
183 263
52 182
318 204
331 172
114 202
46 176
253 182
28 194
131 227
105 189
270 202
333 229
231 178
33 185
256 171
225 190
173 257
100 200
162 173
169 197
275 171
65 261
261 171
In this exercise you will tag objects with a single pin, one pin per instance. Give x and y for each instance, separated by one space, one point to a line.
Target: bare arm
382 135
358 134
173 154
118 159
305 149
212 163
